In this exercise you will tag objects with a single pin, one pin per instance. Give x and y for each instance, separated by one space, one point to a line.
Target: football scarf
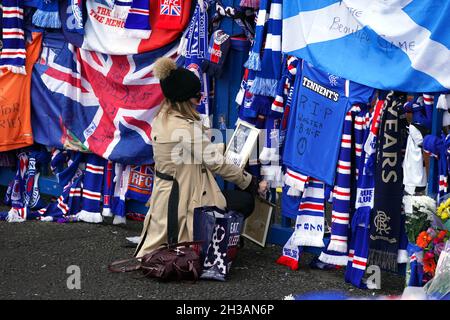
13 54
254 58
385 220
414 273
428 101
32 198
417 108
295 180
66 166
285 83
285 118
309 225
15 194
121 179
76 23
267 78
360 224
47 14
108 189
92 189
137 23
195 53
171 14
341 200
218 49
291 254
134 16
248 111
434 146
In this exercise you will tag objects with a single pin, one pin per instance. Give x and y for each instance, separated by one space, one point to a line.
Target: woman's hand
259 189
263 188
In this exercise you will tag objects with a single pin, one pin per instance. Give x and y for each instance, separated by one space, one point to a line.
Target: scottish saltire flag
107 102
393 44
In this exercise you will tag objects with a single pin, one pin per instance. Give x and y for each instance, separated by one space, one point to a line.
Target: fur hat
177 84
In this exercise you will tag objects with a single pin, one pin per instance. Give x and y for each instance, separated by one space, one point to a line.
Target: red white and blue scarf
13 54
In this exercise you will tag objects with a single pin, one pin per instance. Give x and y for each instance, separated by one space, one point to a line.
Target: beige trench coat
175 137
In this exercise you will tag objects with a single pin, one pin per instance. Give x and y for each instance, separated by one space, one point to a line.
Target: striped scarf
47 14
336 252
108 188
12 56
267 78
309 225
137 23
296 181
92 189
136 14
254 58
360 226
435 147
285 83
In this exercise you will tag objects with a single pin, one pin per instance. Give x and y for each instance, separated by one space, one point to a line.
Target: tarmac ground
36 257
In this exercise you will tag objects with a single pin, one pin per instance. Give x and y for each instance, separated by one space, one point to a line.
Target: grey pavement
34 257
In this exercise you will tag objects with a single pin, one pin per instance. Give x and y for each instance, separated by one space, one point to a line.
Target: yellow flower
445 215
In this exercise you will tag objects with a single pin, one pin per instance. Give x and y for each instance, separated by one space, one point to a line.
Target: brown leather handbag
180 261
173 261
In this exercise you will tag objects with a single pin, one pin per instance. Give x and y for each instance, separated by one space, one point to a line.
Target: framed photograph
256 227
241 144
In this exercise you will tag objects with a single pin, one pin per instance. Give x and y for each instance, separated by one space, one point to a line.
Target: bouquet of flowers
419 212
432 241
443 212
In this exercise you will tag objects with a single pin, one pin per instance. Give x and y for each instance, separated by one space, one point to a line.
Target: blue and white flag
394 44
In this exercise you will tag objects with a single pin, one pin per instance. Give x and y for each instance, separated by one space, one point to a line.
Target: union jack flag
171 8
108 102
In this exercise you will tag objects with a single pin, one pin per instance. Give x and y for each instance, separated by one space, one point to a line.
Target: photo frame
241 143
256 226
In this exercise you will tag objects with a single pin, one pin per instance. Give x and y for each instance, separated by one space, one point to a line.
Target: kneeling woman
185 164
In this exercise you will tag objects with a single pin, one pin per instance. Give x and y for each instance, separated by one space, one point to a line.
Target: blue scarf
254 58
267 78
47 14
360 224
137 24
385 222
336 252
92 189
196 51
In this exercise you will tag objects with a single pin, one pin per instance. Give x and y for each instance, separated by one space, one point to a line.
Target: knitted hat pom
163 67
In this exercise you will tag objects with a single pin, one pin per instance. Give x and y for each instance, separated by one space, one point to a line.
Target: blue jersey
317 114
